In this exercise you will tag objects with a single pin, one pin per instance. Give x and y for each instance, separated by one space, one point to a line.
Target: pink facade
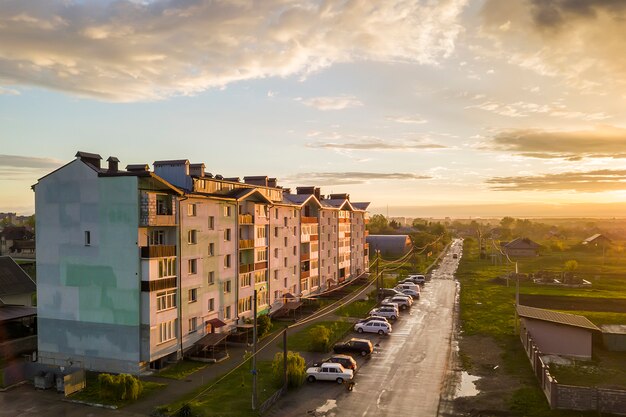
559 339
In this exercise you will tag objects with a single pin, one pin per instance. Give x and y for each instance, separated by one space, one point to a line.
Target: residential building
138 268
521 247
389 245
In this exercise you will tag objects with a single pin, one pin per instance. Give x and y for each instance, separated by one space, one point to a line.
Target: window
192 237
87 238
167 267
304 284
227 211
285 283
211 279
211 305
285 221
244 304
294 250
191 209
285 261
166 300
227 312
193 266
276 295
211 249
245 279
261 256
211 222
261 232
275 231
275 252
167 331
193 324
156 237
294 270
276 274
276 214
193 295
227 287
294 230
227 261
295 213
285 241
227 235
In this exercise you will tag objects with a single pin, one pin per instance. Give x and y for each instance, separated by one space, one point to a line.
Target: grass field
301 341
91 393
181 369
232 396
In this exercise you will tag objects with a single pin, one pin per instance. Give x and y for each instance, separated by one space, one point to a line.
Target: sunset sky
428 107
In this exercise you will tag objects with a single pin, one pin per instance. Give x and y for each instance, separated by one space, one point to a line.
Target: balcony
246 244
305 274
260 242
243 268
304 219
158 251
314 238
153 219
260 265
305 256
245 219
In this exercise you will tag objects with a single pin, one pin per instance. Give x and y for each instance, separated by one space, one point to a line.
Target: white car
387 312
373 318
374 326
412 293
402 301
329 372
416 279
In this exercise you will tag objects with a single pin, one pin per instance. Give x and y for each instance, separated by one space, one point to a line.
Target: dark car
389 292
346 361
361 346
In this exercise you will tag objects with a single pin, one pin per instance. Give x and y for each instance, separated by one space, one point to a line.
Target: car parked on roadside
389 292
373 318
388 312
415 279
412 293
361 346
373 327
403 301
389 303
329 372
346 361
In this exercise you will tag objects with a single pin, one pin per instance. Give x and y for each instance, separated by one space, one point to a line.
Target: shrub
119 387
264 325
296 369
320 338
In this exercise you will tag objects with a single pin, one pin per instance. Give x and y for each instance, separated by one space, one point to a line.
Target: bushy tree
296 369
571 265
119 387
264 325
320 338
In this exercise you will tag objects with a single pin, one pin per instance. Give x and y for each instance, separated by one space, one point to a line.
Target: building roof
389 243
613 328
590 239
555 317
13 279
521 243
361 206
9 312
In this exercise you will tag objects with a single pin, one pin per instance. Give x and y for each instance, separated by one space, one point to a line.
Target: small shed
389 245
614 337
521 247
558 333
597 241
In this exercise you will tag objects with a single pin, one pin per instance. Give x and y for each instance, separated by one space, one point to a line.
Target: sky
424 108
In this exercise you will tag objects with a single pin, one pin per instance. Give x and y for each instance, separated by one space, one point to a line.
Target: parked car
407 286
412 293
415 279
388 312
402 301
361 346
389 292
373 327
346 361
388 303
329 372
372 318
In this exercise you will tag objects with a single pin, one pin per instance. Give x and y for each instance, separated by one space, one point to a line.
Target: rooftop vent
92 159
138 168
113 163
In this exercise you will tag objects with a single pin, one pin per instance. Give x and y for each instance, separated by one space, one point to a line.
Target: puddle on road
330 404
467 386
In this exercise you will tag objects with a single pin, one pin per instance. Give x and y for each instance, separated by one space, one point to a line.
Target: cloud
579 42
525 109
347 178
19 161
586 182
407 119
331 103
9 91
128 50
603 142
370 143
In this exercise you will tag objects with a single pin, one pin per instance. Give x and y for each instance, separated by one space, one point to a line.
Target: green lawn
358 308
181 369
606 369
91 393
231 396
300 341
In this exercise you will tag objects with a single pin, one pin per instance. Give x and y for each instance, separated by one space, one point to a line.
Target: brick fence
569 397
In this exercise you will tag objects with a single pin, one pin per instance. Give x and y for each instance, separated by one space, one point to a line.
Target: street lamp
254 342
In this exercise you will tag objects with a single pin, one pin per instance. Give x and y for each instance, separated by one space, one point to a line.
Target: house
558 333
16 240
138 267
520 247
389 245
16 287
614 337
597 241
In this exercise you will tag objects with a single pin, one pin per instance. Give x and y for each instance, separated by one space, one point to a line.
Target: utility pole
254 354
285 356
377 278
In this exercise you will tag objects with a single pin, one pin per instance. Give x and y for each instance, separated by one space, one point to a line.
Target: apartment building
137 267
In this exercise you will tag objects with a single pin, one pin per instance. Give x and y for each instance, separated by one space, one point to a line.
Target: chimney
113 162
305 190
92 159
342 196
260 180
272 182
138 168
196 170
317 194
287 190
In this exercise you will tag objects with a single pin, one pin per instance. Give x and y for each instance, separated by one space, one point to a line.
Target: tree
296 369
320 338
507 222
378 224
264 325
571 265
394 224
